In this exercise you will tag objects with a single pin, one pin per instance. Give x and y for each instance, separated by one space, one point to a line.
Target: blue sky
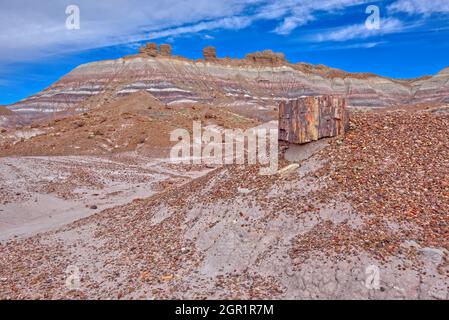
37 48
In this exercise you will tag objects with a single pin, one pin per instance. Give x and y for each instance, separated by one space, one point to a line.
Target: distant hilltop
265 57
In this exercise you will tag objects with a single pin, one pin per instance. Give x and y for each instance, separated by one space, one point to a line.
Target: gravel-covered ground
373 203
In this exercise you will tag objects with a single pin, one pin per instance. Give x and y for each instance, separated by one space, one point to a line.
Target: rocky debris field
135 122
374 200
394 169
38 194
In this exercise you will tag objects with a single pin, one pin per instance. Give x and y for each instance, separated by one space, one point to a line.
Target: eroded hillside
256 82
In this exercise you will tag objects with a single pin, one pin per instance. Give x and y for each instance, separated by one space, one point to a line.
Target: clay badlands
92 208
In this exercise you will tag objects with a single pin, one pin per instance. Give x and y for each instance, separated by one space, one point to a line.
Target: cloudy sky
37 48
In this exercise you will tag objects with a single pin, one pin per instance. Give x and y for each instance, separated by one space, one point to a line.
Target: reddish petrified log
312 118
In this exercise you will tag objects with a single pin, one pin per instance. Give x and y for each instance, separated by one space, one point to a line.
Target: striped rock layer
258 82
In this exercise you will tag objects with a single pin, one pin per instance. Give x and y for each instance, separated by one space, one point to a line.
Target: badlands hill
256 82
5 111
8 118
137 121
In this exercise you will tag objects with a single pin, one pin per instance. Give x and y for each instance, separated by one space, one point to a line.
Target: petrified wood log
312 118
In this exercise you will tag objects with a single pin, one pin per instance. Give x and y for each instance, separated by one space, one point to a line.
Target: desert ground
94 196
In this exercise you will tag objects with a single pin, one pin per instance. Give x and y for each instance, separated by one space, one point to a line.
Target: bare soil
377 199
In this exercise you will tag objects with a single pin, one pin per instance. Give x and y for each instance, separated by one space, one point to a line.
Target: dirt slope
137 121
7 118
5 111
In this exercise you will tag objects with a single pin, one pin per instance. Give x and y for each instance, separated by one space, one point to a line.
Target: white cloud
299 13
295 13
360 31
234 23
366 45
422 7
292 22
31 29
343 46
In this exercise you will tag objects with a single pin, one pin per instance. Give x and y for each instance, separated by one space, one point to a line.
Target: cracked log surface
309 119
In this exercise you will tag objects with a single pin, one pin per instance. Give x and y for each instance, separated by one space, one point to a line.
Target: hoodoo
210 53
165 50
150 49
